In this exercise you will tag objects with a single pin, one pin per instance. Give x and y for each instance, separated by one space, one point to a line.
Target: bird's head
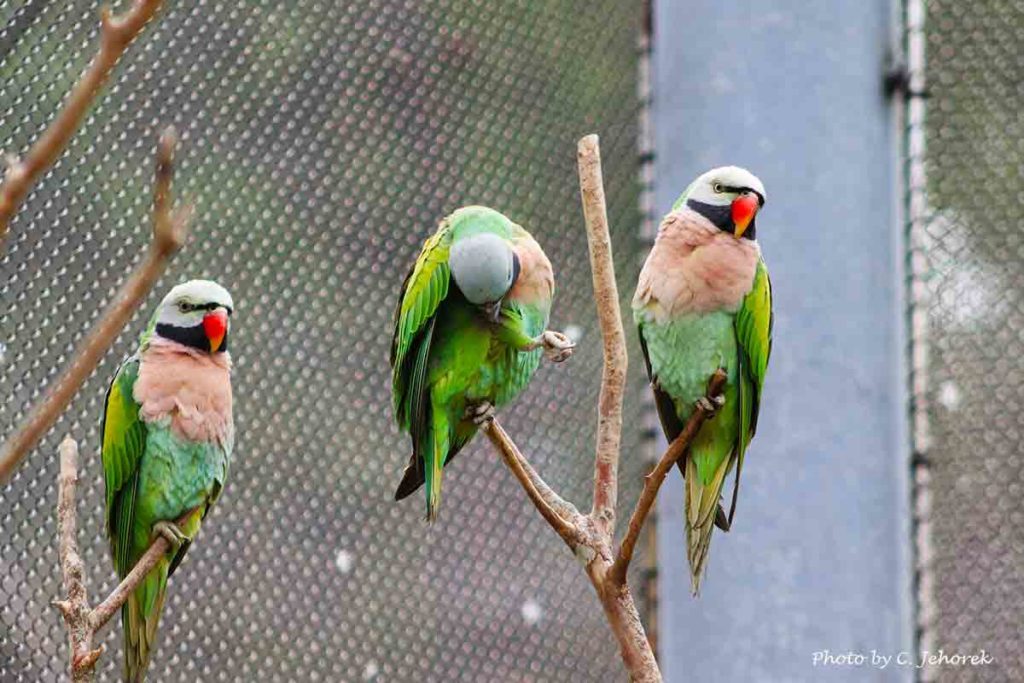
729 197
484 267
197 314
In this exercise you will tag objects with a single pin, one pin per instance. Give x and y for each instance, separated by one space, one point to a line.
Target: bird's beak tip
744 208
215 324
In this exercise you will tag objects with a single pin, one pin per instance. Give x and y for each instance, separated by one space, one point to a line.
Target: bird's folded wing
754 323
124 440
424 289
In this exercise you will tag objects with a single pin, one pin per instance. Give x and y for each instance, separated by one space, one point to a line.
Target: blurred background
321 143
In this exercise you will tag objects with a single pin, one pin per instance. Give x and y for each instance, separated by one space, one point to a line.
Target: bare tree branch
654 480
81 621
169 230
606 293
75 607
563 516
116 33
99 616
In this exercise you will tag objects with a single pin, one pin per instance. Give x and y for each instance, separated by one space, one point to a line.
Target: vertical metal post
818 559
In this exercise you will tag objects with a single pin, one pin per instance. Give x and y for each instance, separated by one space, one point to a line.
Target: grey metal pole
818 558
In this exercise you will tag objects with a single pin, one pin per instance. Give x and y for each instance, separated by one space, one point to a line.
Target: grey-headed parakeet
469 328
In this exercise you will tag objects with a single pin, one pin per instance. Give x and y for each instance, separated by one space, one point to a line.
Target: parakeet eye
717 187
185 307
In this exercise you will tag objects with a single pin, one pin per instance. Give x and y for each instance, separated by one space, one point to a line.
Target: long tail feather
434 478
140 618
436 452
701 504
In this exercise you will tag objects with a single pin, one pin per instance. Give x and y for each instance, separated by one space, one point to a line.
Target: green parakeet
469 327
704 302
167 439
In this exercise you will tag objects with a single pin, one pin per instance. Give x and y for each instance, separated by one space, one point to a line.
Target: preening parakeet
167 439
704 302
469 328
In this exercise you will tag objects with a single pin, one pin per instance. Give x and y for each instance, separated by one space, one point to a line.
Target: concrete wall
819 555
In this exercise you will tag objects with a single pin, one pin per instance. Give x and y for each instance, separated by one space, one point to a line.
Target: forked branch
116 33
561 515
83 622
653 481
170 226
590 536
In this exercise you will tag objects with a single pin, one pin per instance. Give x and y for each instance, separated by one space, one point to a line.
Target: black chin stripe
721 217
194 337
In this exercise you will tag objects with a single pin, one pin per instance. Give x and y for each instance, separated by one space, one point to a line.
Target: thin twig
559 513
606 294
83 622
116 33
654 480
169 230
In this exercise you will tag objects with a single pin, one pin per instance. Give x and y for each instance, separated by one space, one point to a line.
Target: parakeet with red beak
168 434
704 302
469 329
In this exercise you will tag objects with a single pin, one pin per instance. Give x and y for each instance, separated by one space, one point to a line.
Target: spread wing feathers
124 440
754 323
424 289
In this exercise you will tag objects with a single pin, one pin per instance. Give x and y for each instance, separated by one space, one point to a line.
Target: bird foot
557 346
172 533
711 406
480 413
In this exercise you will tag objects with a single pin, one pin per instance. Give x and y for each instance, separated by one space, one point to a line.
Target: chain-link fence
321 142
967 235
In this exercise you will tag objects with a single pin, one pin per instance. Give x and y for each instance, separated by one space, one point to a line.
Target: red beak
215 324
744 208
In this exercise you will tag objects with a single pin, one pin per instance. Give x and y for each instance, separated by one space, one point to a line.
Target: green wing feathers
754 323
425 288
124 441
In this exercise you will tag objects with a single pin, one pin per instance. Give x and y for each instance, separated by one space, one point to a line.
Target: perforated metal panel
968 261
321 143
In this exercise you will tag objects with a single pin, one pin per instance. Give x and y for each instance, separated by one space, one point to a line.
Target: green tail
140 617
435 453
701 505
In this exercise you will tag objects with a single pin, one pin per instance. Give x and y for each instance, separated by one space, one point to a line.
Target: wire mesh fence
321 142
969 333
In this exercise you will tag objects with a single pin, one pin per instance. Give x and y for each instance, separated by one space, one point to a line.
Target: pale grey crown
483 267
